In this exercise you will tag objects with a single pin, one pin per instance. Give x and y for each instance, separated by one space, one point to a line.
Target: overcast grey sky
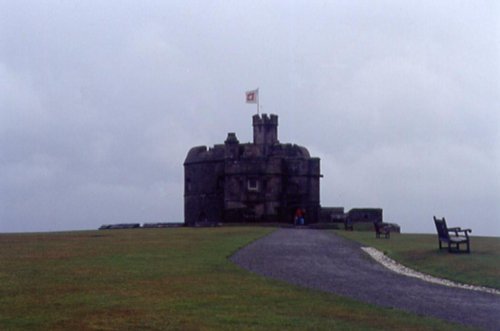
101 100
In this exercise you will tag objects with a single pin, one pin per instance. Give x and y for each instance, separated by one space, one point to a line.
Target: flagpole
258 100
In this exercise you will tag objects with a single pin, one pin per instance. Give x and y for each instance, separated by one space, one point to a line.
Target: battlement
203 154
264 119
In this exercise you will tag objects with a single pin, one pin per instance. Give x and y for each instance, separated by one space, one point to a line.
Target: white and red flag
252 96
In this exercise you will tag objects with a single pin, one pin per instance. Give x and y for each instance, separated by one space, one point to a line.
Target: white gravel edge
401 269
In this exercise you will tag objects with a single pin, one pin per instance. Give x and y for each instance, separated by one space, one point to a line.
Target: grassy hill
159 279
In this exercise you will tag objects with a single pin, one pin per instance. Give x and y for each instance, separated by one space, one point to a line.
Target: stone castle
263 181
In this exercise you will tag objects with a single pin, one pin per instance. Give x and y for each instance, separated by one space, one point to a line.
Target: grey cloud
100 102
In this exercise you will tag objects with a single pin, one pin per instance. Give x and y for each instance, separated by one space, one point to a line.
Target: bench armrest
458 230
466 232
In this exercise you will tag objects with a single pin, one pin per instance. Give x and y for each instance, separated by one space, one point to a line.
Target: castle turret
265 129
232 145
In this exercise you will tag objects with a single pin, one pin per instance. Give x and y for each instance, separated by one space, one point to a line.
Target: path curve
323 261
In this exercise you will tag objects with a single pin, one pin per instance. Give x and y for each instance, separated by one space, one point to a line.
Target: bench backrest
441 228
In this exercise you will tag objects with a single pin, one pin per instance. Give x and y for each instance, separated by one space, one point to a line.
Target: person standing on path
299 216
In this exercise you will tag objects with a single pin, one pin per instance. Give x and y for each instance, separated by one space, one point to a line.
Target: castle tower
265 129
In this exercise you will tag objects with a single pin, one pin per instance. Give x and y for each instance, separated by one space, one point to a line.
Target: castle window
252 185
188 185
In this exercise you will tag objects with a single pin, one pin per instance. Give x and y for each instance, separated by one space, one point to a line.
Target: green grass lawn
158 279
420 252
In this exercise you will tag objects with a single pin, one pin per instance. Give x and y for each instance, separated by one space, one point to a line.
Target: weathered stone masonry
263 181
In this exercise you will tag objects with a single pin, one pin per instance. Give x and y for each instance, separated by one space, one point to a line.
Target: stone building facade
263 181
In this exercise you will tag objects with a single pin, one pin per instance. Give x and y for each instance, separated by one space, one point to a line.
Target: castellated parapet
263 181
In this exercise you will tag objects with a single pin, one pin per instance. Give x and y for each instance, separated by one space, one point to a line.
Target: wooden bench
456 239
382 228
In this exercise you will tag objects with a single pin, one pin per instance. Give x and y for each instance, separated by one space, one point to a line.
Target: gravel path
323 261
